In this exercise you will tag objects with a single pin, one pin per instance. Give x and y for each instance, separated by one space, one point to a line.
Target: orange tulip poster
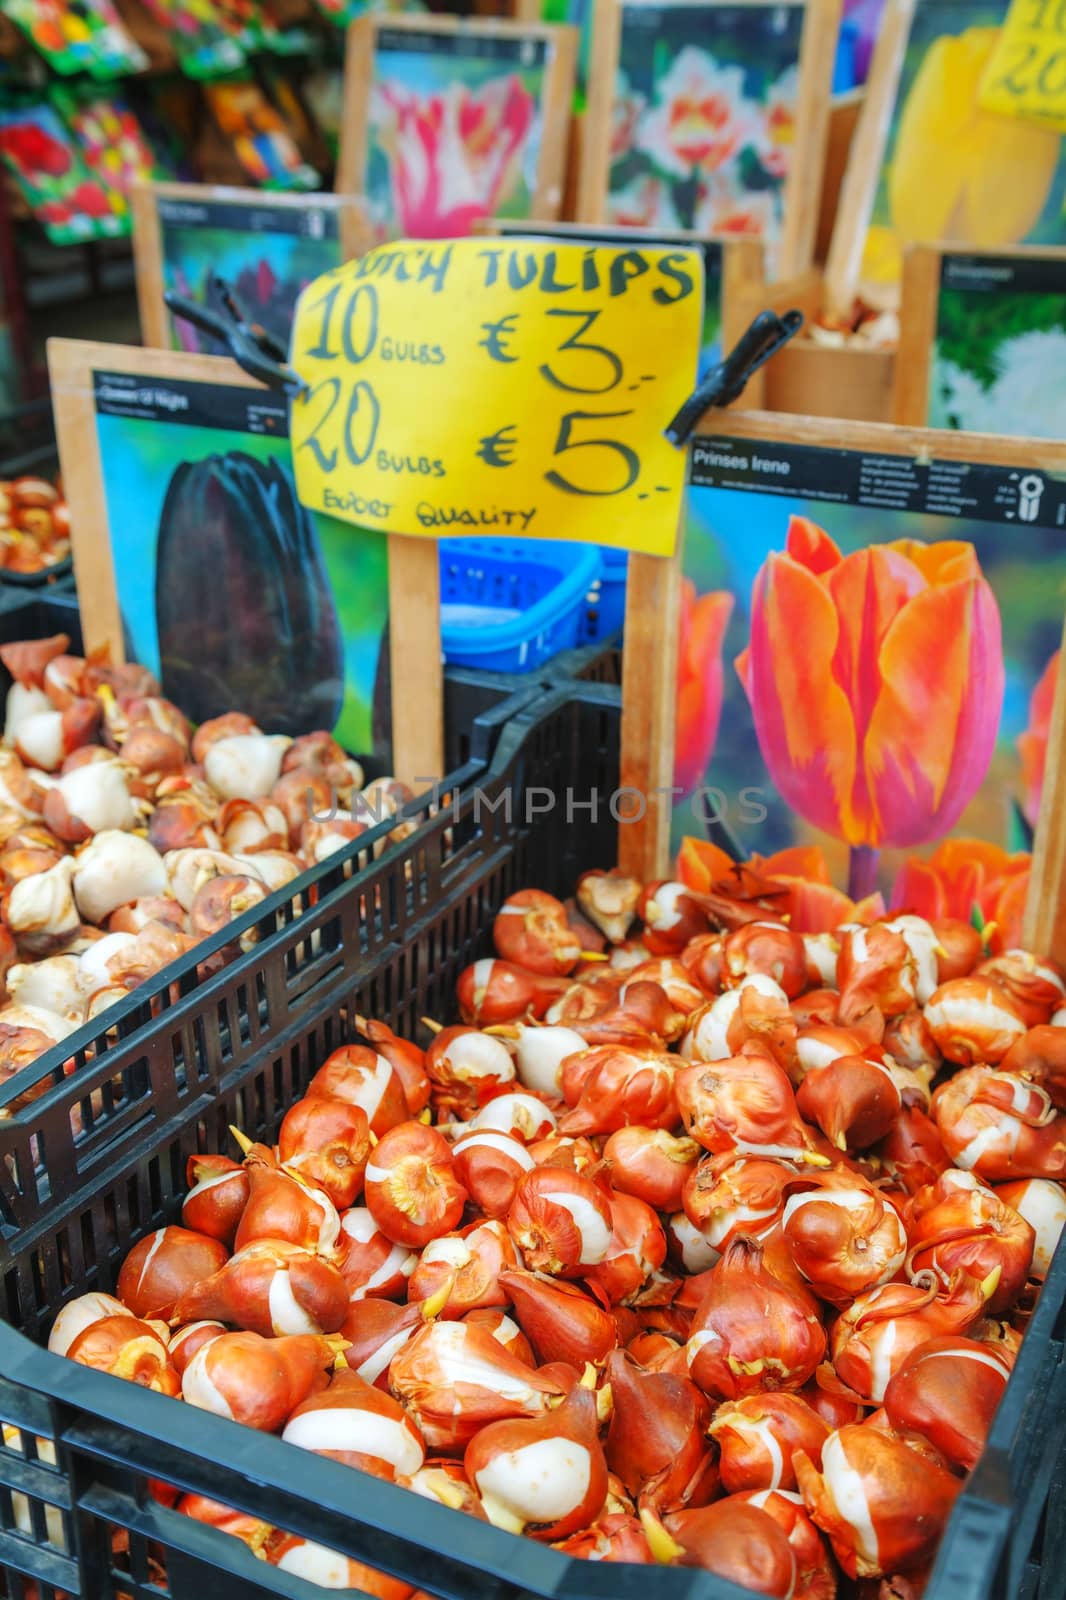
952 170
866 668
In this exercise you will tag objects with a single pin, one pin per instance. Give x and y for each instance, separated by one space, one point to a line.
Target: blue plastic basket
509 605
605 604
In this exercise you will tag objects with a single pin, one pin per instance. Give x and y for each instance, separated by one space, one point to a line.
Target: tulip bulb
655 1442
163 1267
188 1340
257 1381
326 1144
41 910
327 1569
53 983
245 766
560 1320
490 992
1042 1204
406 1060
113 869
618 1087
1000 1126
369 1263
744 1104
357 1424
489 1166
469 1066
410 1185
270 1287
454 1377
873 1337
79 1314
540 1053
523 1116
946 1393
531 930
282 1207
126 1347
707 1037
844 1238
883 1504
609 900
363 1078
973 1021
768 948
750 1331
855 1101
542 1475
758 1435
736 1541
560 1221
651 1164
816 1575
466 1267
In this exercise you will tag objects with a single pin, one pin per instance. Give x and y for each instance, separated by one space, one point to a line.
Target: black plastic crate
99 1159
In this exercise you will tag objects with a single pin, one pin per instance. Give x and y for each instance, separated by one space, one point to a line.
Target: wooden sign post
1044 929
409 81
983 340
267 247
672 148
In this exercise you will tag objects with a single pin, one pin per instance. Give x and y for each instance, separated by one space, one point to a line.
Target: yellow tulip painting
954 171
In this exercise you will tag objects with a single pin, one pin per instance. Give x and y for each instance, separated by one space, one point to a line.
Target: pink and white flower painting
703 128
444 151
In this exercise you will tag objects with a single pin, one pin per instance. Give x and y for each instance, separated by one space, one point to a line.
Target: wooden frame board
559 43
929 271
735 433
334 220
970 171
415 666
802 186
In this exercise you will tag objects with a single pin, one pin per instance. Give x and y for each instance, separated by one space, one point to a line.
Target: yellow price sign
1026 75
483 386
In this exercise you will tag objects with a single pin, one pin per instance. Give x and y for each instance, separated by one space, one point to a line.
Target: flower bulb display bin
93 1158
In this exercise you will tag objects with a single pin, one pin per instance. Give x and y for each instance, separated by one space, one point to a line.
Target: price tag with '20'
485 386
1026 75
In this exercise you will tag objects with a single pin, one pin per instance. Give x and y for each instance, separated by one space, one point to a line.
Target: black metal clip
724 383
250 345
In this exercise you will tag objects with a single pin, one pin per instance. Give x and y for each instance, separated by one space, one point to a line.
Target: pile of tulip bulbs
696 1241
34 525
126 838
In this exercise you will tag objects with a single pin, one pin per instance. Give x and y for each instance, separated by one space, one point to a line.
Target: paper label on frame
484 386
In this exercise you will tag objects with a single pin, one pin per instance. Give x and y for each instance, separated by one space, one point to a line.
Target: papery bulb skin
366 1079
834 1409
651 1164
883 1504
560 1320
523 1116
270 1287
844 1237
1039 1057
280 1207
126 1347
466 1266
973 1021
560 1222
454 1377
545 1476
609 900
1035 985
79 1314
1000 1126
532 931
668 974
960 1225
615 1537
750 1332
873 1337
908 1039
489 1167
671 918
756 1437
728 1195
637 1250
620 1087
703 958
913 1152
746 1104
505 1331
1042 1204
410 1187
370 1263
356 1424
406 1059
655 1443
539 1055
769 948
185 1342
816 1573
946 1392
250 1530
316 1564
875 968
326 1143
855 1101
163 1266
490 992
253 1380
738 1542
467 1068
218 1194
375 1331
